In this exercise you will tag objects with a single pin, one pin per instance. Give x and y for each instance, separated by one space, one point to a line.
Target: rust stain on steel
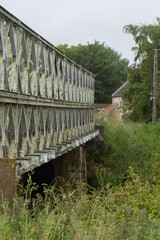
11 100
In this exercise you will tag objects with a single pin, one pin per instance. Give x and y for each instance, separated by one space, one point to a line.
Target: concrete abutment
7 178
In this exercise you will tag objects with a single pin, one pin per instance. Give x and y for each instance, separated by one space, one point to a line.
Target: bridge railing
46 99
32 66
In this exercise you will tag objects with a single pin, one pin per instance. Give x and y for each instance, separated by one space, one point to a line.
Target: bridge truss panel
32 66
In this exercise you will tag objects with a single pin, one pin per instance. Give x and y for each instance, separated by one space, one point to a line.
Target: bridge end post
98 141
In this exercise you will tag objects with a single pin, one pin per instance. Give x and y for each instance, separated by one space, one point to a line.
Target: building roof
118 92
100 106
108 109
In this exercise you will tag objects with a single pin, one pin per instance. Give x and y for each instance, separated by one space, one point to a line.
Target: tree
108 66
140 74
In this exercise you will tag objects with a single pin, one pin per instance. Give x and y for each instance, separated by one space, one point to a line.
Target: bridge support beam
72 165
76 165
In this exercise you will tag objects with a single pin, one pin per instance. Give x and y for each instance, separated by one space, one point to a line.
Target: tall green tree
140 74
108 66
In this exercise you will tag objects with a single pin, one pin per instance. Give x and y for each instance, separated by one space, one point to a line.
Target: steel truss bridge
46 99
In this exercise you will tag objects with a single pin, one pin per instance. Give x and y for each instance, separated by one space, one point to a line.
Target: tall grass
128 212
125 206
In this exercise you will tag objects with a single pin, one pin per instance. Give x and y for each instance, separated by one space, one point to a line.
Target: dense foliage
140 76
108 66
133 145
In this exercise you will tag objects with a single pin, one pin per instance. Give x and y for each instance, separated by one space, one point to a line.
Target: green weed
123 212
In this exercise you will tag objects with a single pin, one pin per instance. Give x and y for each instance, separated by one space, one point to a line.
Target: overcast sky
82 21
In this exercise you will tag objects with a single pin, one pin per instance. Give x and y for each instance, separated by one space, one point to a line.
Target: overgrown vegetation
131 144
125 204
